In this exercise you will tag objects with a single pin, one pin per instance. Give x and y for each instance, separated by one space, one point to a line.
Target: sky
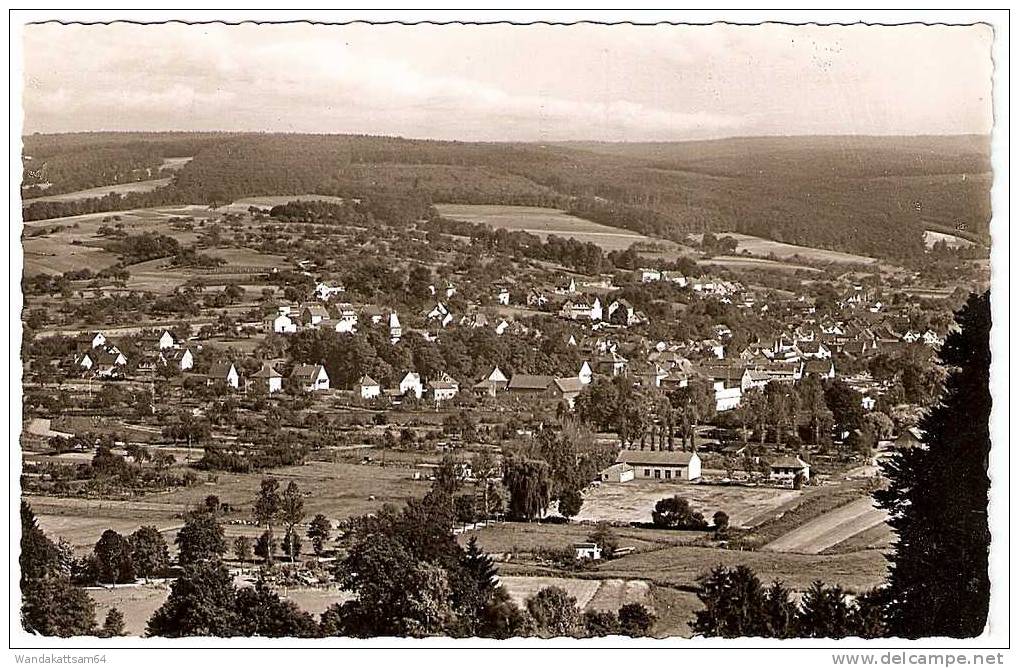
510 83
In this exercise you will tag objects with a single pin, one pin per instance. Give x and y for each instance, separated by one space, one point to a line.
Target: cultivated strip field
830 529
545 222
103 191
590 594
758 246
930 237
741 262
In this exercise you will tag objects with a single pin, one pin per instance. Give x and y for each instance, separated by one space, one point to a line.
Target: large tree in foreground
937 497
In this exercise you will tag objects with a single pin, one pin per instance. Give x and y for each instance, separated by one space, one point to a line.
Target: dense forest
867 195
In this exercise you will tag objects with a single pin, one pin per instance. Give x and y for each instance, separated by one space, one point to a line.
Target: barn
662 464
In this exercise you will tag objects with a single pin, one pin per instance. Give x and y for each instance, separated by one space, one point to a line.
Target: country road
830 529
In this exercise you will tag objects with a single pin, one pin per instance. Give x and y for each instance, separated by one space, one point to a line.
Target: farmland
102 191
543 223
767 248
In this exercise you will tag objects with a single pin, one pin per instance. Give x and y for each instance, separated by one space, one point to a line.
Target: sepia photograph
649 332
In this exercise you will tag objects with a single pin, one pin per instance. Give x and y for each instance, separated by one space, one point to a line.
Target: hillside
865 195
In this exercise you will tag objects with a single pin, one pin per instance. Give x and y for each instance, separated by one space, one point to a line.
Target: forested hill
866 195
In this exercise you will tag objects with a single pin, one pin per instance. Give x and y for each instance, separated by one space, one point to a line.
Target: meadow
102 191
759 247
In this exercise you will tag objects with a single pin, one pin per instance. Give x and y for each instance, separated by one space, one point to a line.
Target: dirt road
830 529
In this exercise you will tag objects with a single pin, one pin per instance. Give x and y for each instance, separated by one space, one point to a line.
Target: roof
316 309
817 366
267 371
787 462
367 381
306 371
655 457
620 467
220 369
523 381
568 385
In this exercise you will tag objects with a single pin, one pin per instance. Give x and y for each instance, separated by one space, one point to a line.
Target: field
766 248
175 163
336 489
545 222
102 191
738 262
830 529
56 255
633 501
267 202
931 237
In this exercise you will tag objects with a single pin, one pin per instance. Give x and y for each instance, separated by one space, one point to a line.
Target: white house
269 378
224 372
582 310
586 374
346 322
650 275
283 324
411 384
662 464
501 328
503 297
310 377
444 388
440 313
368 387
182 359
786 468
325 292
313 314
395 330
167 340
587 551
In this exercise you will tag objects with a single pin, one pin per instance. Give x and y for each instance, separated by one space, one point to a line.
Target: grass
740 262
767 247
102 191
633 501
544 222
517 537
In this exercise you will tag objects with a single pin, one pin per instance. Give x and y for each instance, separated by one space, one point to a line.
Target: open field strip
103 191
830 529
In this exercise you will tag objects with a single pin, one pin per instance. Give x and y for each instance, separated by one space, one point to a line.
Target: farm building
444 388
310 377
522 383
224 372
617 473
411 384
786 468
662 464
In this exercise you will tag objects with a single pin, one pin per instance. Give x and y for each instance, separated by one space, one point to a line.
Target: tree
635 620
600 623
113 625
50 604
484 468
319 532
555 613
267 509
733 602
149 552
605 537
529 487
242 549
721 521
824 613
113 557
202 602
937 497
779 612
261 612
570 503
200 539
845 405
674 512
291 514
465 508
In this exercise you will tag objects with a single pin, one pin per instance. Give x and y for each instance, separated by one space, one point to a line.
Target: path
830 529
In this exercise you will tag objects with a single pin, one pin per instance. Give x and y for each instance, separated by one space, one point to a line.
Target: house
474 320
310 377
621 312
587 551
503 297
909 438
617 473
443 389
586 374
283 324
182 359
411 384
582 310
501 328
568 289
567 389
786 468
491 385
96 340
224 372
325 292
167 340
536 298
268 379
368 387
440 313
612 364
823 368
522 383
650 275
346 320
662 464
313 314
